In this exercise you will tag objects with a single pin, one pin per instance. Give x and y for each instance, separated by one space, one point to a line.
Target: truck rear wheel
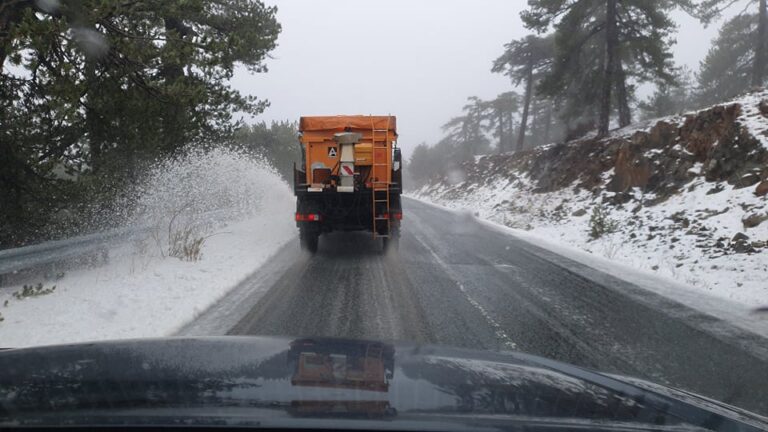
391 243
309 240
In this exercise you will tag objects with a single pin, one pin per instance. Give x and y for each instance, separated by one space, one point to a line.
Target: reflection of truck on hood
341 363
350 178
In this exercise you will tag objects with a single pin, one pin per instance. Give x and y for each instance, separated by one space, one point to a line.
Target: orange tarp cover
341 123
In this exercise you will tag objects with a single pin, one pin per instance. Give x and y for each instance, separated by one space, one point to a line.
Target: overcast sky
418 60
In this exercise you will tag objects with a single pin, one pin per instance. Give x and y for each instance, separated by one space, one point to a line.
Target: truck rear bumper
343 211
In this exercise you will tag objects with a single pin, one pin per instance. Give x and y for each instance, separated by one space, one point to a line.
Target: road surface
458 282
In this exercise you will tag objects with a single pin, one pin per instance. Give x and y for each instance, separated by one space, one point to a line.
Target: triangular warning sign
332 152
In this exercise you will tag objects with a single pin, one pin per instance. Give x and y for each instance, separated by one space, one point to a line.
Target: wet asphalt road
458 282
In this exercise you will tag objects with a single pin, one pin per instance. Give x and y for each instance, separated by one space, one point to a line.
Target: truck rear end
350 178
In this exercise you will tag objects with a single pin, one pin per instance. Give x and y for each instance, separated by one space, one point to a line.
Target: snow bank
240 205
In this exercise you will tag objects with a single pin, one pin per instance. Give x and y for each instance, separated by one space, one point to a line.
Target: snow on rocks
754 110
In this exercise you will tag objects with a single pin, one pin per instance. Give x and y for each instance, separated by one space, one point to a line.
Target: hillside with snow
683 196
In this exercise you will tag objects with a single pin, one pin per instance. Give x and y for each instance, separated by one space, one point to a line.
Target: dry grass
185 244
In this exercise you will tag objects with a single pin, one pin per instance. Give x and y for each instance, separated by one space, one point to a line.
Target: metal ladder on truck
379 188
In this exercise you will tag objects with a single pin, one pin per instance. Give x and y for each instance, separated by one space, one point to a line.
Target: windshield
580 181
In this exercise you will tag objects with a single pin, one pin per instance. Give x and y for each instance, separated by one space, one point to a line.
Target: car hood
339 383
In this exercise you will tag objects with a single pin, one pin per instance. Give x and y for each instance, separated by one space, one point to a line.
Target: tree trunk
93 131
535 121
758 68
172 71
501 130
526 105
611 42
625 114
548 122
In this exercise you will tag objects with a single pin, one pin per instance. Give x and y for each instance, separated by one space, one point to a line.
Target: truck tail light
397 215
311 217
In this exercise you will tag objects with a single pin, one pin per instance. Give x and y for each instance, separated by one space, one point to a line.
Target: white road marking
500 333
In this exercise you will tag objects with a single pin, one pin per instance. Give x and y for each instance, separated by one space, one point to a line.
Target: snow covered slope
242 209
683 196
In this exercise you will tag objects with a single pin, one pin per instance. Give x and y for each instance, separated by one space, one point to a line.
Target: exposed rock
579 212
742 247
748 179
763 107
702 131
738 153
762 188
754 219
740 237
680 218
631 169
663 134
660 159
716 189
712 213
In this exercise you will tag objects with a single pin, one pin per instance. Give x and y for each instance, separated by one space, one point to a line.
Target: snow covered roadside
138 296
143 292
684 197
650 239
737 313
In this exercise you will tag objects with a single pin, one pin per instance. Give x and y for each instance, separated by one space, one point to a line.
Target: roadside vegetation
600 223
93 92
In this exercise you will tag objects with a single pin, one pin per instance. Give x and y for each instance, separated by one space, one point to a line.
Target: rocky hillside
684 196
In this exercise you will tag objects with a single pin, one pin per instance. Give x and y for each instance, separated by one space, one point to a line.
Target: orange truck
350 178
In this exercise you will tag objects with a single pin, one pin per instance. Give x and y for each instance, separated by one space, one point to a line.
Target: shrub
184 242
599 223
185 245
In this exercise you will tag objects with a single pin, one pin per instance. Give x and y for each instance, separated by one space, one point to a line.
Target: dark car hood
276 382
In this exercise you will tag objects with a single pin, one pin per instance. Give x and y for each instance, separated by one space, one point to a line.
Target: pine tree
421 164
710 9
275 142
669 98
629 39
499 115
525 61
467 130
93 89
728 68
